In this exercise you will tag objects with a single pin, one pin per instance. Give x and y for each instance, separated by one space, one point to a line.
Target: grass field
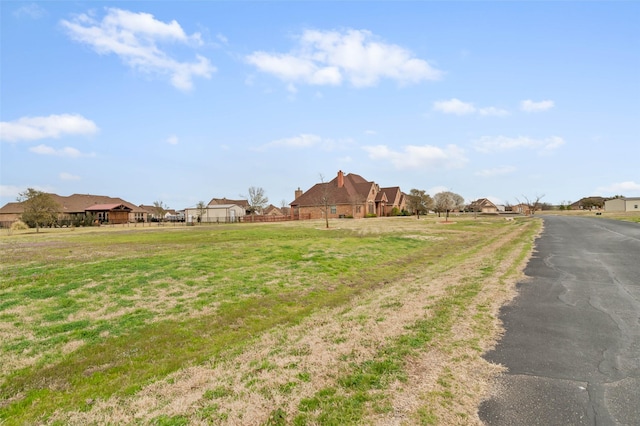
373 321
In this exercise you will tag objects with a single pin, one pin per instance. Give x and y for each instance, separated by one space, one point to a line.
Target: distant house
483 205
81 206
226 201
622 205
168 215
215 213
588 203
346 196
272 210
115 213
521 208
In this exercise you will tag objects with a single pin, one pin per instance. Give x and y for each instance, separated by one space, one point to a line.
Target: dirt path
447 381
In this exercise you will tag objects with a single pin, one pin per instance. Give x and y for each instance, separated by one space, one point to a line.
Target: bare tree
257 200
447 201
159 209
40 209
202 208
419 201
533 204
284 207
325 199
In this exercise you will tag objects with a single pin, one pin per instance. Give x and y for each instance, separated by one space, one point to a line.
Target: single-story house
226 201
483 205
521 208
346 196
77 207
272 210
588 203
622 205
215 213
110 213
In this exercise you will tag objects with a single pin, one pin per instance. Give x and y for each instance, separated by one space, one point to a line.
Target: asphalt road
572 341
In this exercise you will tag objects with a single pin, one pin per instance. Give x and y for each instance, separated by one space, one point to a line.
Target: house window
635 207
357 209
333 209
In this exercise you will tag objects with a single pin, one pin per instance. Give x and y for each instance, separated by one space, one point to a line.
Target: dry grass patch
291 365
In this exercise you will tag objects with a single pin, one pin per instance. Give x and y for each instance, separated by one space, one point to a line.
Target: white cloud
52 126
10 191
458 107
503 143
492 111
436 189
68 176
415 157
454 106
620 188
32 11
134 37
306 140
532 106
356 56
173 140
497 171
300 141
64 152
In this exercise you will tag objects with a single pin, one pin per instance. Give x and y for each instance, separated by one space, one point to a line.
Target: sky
181 102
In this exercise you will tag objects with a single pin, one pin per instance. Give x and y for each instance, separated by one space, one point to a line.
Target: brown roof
107 207
12 208
354 189
76 203
272 210
482 202
241 203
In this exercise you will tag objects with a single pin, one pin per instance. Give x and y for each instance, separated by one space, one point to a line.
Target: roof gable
355 190
108 207
218 201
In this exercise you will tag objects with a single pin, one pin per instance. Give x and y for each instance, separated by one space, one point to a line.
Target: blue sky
185 101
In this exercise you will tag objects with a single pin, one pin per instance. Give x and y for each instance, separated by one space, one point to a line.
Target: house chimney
340 179
298 193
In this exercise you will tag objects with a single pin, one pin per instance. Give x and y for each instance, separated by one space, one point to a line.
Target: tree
202 208
257 200
284 207
40 209
159 209
447 201
419 201
325 199
532 204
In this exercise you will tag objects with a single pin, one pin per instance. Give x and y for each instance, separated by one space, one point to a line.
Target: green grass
141 305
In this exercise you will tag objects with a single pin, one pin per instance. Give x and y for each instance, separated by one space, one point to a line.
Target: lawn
285 323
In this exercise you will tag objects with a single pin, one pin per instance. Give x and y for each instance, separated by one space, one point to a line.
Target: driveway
572 341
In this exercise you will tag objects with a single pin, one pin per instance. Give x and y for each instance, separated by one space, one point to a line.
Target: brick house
346 196
483 205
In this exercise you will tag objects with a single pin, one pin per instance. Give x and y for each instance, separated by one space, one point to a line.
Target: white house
622 205
217 213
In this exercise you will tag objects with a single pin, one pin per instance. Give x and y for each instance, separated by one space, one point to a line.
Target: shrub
19 225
